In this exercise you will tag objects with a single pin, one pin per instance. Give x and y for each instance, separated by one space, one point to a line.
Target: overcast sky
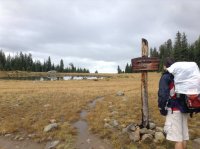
95 34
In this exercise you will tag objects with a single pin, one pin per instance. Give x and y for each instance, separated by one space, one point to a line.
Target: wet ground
7 143
86 140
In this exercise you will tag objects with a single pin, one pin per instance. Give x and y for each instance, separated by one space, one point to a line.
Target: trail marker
144 64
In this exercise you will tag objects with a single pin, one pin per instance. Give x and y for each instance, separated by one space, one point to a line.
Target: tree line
24 62
180 50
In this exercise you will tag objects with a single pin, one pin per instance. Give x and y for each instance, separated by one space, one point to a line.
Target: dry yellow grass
127 109
27 106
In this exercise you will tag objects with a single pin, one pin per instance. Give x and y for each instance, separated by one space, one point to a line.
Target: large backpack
189 103
187 86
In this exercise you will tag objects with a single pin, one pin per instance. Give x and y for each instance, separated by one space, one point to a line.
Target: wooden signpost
145 64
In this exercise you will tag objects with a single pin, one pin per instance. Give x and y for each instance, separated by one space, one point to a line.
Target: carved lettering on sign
145 63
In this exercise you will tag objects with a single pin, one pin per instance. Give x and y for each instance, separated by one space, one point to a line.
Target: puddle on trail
6 143
93 103
86 140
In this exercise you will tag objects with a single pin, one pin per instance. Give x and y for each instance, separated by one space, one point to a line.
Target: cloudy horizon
94 34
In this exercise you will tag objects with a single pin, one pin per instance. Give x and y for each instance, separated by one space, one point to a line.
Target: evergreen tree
8 65
184 48
73 68
128 68
169 48
29 62
48 64
119 69
154 52
57 68
196 46
53 67
2 60
38 66
151 53
61 66
25 62
177 47
44 68
191 53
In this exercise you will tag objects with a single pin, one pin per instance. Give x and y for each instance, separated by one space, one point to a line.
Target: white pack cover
186 77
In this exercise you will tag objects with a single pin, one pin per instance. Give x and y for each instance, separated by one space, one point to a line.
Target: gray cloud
96 31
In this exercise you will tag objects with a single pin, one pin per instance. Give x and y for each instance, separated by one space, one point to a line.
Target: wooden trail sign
145 64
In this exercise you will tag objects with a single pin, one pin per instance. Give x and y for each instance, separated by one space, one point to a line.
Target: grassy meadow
26 107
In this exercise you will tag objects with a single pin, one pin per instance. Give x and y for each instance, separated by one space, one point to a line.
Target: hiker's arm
163 93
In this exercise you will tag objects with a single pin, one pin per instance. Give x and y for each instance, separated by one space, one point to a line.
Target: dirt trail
6 143
86 140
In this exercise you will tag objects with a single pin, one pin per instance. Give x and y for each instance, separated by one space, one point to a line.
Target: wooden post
144 88
145 64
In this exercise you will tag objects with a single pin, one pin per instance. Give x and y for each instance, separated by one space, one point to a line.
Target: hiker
176 127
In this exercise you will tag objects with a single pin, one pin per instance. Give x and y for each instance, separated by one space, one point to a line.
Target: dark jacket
164 92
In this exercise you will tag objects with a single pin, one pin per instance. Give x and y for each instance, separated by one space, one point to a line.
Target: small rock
101 147
21 138
125 99
16 137
51 145
115 123
197 140
124 130
106 120
110 106
88 141
150 121
147 138
159 129
47 105
31 135
16 105
42 140
151 132
159 137
52 121
135 136
143 131
196 143
50 127
152 125
106 125
114 112
123 125
120 93
49 138
8 135
131 127
110 103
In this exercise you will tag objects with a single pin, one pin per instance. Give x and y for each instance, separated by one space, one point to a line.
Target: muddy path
85 139
7 143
